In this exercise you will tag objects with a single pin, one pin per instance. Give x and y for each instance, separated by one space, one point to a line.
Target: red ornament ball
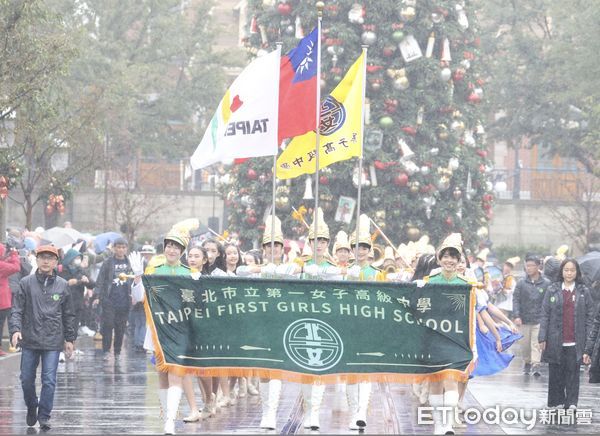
251 220
252 175
401 179
449 221
284 9
482 153
324 180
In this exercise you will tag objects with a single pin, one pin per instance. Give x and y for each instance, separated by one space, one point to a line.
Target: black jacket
551 322
527 299
104 282
42 311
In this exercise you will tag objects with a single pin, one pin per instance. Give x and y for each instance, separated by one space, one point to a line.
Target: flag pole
274 187
320 6
362 142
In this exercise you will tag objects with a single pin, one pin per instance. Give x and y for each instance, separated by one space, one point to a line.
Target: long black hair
220 260
425 265
239 262
578 277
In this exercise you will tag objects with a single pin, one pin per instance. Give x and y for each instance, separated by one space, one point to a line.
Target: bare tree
580 219
133 208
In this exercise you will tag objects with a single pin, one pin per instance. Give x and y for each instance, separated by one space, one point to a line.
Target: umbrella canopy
103 239
60 236
590 265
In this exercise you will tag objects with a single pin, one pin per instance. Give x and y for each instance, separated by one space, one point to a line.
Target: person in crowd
170 380
114 293
253 257
9 265
73 273
566 319
42 323
527 311
504 298
216 256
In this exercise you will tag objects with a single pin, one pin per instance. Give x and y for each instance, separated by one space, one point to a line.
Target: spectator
114 293
42 321
77 280
9 265
504 298
567 318
527 311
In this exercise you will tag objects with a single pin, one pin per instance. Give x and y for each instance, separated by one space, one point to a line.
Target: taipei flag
298 88
245 122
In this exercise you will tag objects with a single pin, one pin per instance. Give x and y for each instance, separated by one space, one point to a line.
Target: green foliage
448 129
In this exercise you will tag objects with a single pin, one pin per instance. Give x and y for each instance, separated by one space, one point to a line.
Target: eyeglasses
46 256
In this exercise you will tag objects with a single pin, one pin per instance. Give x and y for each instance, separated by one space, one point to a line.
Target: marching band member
359 395
320 266
270 390
446 393
341 250
170 382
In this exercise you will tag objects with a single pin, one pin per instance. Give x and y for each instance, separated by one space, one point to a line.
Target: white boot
243 387
270 393
437 401
364 397
450 400
162 398
210 407
253 383
352 396
173 398
316 399
307 397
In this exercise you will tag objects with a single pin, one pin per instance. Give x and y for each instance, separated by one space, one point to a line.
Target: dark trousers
77 298
4 314
30 359
563 382
137 324
113 320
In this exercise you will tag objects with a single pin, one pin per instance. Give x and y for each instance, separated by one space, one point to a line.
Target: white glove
353 272
196 275
269 269
286 270
420 283
312 270
332 271
136 261
218 273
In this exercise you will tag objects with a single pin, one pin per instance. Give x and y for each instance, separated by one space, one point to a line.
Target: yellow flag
341 129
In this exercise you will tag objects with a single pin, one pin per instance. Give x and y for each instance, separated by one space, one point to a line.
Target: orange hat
46 249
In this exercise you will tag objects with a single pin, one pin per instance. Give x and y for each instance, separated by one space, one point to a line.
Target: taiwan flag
298 88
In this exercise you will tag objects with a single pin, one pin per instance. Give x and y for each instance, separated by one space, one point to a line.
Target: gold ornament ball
401 83
408 14
414 186
413 233
380 214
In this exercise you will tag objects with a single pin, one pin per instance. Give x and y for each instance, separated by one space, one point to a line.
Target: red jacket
8 266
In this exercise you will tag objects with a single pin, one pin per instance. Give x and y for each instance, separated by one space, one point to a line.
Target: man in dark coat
527 310
114 292
42 322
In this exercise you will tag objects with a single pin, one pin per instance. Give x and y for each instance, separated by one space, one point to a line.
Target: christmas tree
425 164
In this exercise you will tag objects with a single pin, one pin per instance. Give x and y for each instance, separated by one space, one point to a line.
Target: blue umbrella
103 239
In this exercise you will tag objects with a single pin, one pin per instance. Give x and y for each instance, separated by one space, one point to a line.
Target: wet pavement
98 397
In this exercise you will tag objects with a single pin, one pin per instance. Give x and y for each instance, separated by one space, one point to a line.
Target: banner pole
274 187
362 142
320 6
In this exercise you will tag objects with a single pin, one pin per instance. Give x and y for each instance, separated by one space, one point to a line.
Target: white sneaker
88 331
61 357
78 353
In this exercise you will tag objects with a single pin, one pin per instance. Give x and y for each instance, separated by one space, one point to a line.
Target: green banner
305 330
